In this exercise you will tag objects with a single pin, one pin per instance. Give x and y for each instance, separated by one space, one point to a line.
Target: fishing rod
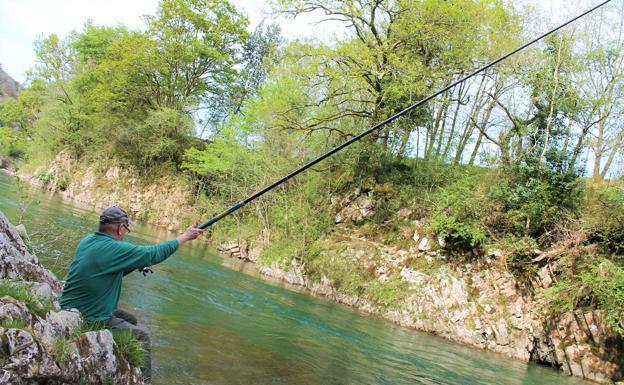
270 187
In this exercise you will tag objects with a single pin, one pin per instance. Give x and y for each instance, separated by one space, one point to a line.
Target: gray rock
19 341
13 310
44 290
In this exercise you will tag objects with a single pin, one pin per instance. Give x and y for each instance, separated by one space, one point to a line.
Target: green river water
213 321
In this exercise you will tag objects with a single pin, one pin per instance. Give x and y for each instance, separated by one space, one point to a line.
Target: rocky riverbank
163 202
40 344
478 303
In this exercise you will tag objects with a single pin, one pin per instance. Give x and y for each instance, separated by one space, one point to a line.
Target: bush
604 216
599 286
461 211
161 137
534 197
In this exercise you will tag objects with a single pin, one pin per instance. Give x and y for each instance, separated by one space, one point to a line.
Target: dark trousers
122 320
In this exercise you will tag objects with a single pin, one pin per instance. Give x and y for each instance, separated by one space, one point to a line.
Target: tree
399 52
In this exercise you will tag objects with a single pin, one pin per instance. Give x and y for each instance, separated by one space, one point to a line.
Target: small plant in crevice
60 350
13 324
130 347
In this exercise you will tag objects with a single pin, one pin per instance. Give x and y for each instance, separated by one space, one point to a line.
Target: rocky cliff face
162 202
47 347
8 86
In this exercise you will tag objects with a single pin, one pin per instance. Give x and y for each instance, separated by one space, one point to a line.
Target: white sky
22 21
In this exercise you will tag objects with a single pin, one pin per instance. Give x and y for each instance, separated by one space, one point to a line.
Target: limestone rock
423 244
355 208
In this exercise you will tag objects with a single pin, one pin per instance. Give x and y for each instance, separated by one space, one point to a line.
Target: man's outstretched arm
131 257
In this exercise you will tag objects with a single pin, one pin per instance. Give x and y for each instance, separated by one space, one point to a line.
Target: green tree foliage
134 96
399 51
525 200
603 211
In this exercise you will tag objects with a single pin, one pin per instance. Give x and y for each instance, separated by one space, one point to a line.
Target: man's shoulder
94 238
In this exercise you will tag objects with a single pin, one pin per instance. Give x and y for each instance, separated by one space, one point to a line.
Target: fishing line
270 187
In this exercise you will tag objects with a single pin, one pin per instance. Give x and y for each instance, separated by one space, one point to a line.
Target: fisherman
102 258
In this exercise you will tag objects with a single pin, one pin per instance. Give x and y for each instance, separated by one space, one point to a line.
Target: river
210 323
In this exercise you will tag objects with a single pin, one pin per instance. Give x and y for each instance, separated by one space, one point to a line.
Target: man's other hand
190 234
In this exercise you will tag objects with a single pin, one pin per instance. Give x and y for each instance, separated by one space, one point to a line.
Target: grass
13 324
60 350
86 327
20 291
130 347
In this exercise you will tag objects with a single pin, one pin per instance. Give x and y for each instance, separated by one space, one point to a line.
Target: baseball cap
114 214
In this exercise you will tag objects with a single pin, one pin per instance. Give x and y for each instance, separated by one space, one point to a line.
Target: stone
355 208
544 277
493 252
501 334
423 244
19 340
13 310
43 290
573 355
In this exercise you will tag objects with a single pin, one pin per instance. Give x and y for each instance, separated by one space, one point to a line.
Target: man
93 284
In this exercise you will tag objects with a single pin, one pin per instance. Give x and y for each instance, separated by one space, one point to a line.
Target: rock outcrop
48 347
8 86
164 202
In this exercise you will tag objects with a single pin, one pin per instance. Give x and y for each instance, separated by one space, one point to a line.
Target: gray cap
114 214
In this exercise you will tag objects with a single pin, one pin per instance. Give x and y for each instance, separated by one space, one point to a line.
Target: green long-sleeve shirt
93 283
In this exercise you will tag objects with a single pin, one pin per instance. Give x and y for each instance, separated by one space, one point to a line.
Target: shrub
461 211
598 286
535 197
604 216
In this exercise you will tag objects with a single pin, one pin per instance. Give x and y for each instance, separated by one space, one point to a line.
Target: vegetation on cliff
524 158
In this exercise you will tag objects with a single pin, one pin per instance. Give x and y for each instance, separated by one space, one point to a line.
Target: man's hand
190 234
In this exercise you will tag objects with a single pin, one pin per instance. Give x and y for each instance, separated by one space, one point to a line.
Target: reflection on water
211 324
